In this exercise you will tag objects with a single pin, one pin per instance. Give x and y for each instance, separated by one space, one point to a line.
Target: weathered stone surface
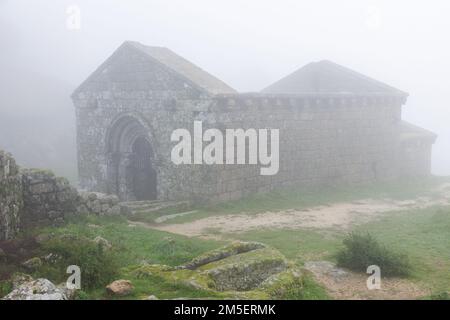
261 273
102 242
327 268
98 204
51 258
32 264
247 271
31 197
11 198
47 198
40 289
20 278
120 288
69 293
222 253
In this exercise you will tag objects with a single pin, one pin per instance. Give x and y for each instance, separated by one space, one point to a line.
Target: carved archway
130 160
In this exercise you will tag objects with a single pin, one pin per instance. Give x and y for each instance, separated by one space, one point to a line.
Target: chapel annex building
336 127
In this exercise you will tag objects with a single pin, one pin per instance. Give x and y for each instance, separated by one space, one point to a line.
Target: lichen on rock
241 270
40 289
234 248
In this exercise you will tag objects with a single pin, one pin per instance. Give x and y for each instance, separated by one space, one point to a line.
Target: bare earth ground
345 285
338 216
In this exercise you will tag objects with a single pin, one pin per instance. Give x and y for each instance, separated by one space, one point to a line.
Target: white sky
250 44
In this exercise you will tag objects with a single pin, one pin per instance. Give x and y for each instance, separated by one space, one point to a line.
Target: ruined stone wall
32 197
47 198
11 202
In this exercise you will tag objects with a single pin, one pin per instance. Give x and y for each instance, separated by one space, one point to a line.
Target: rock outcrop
11 199
120 288
40 289
241 270
98 204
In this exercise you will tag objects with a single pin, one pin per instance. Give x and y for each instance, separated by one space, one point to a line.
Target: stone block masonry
47 198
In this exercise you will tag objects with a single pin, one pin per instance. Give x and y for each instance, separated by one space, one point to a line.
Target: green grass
301 199
137 244
312 290
424 235
133 246
296 245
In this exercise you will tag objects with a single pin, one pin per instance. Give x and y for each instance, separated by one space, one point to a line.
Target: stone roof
328 77
410 131
183 67
177 64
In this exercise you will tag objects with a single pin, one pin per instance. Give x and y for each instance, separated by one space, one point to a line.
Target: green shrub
98 265
81 295
363 250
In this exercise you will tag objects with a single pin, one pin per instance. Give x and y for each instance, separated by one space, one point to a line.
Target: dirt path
338 216
344 285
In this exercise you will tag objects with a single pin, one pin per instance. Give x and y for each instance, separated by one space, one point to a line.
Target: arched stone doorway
130 161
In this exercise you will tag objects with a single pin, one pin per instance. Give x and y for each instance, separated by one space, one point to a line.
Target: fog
248 44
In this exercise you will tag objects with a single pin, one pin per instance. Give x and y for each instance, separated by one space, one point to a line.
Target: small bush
98 265
363 250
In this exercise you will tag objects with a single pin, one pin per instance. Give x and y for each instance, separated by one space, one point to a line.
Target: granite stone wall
47 198
323 141
11 199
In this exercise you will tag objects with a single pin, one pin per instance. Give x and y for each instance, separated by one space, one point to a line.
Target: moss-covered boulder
246 271
241 270
234 248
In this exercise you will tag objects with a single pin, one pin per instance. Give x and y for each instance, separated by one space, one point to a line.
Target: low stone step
144 203
173 216
133 207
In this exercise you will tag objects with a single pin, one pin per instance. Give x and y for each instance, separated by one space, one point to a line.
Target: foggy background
247 44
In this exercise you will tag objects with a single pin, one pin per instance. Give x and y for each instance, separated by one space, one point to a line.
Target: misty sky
249 44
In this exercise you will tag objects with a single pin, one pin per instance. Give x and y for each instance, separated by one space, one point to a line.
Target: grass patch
5 288
440 296
137 244
422 234
99 266
296 245
302 288
363 250
131 246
